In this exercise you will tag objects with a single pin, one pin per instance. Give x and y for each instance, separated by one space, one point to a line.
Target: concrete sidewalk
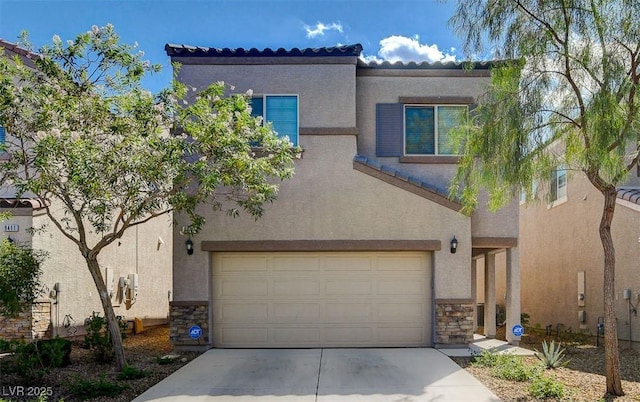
394 374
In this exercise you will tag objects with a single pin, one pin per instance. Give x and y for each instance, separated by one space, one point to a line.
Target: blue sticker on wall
518 330
195 332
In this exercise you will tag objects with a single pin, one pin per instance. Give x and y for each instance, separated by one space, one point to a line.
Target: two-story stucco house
363 247
69 294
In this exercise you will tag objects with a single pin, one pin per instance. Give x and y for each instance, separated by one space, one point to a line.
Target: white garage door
322 299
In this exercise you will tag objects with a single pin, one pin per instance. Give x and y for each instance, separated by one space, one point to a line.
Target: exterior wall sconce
454 245
189 245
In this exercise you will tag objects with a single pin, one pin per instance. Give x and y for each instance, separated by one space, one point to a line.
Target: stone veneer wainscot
454 321
184 315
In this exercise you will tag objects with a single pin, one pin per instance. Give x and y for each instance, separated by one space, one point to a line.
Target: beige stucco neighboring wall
561 240
328 200
145 250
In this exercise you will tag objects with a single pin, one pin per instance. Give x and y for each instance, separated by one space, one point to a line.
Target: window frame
558 186
265 119
436 134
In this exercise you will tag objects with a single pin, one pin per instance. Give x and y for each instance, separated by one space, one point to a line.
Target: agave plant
552 356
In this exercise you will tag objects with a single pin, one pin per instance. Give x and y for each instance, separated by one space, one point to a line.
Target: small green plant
132 373
552 356
162 360
524 319
95 387
544 387
511 368
98 339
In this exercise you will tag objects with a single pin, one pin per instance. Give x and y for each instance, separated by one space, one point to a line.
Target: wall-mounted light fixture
189 245
454 245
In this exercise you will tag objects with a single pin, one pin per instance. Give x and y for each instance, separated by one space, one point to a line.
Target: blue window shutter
389 129
282 113
2 135
256 106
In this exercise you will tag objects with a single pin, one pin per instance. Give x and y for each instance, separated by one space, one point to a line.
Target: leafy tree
86 137
19 277
566 96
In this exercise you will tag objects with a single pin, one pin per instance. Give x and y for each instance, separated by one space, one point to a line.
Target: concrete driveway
320 375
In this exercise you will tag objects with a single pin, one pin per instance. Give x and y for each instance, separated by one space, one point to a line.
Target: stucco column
490 295
474 292
513 293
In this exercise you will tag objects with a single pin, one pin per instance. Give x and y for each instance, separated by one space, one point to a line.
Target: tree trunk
110 316
611 354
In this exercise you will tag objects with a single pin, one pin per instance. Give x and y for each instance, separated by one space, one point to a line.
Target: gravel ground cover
583 377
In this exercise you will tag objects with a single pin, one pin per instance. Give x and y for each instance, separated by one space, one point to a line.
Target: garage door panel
296 312
349 287
400 262
348 263
240 312
296 287
295 264
349 312
401 311
239 287
348 336
404 335
407 286
243 336
243 264
317 299
298 336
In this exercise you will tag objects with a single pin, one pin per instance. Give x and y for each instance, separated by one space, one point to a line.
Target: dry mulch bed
141 350
583 376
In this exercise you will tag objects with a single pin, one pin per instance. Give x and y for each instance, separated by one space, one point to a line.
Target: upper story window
427 128
281 111
558 189
417 129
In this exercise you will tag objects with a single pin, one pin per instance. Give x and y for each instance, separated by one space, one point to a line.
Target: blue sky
388 30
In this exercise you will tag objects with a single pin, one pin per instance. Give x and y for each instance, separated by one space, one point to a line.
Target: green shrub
98 338
19 277
33 360
552 356
132 373
485 359
544 387
512 368
95 387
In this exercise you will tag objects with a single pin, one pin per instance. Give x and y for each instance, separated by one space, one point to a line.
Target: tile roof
630 194
438 65
400 175
27 55
197 51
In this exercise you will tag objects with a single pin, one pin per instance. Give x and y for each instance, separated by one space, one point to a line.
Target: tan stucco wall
559 241
328 200
326 92
139 251
385 89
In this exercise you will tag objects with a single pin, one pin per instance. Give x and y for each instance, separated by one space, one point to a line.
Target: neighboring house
562 257
356 251
70 294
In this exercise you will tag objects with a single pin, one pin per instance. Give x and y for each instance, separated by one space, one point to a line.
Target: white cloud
320 28
401 48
